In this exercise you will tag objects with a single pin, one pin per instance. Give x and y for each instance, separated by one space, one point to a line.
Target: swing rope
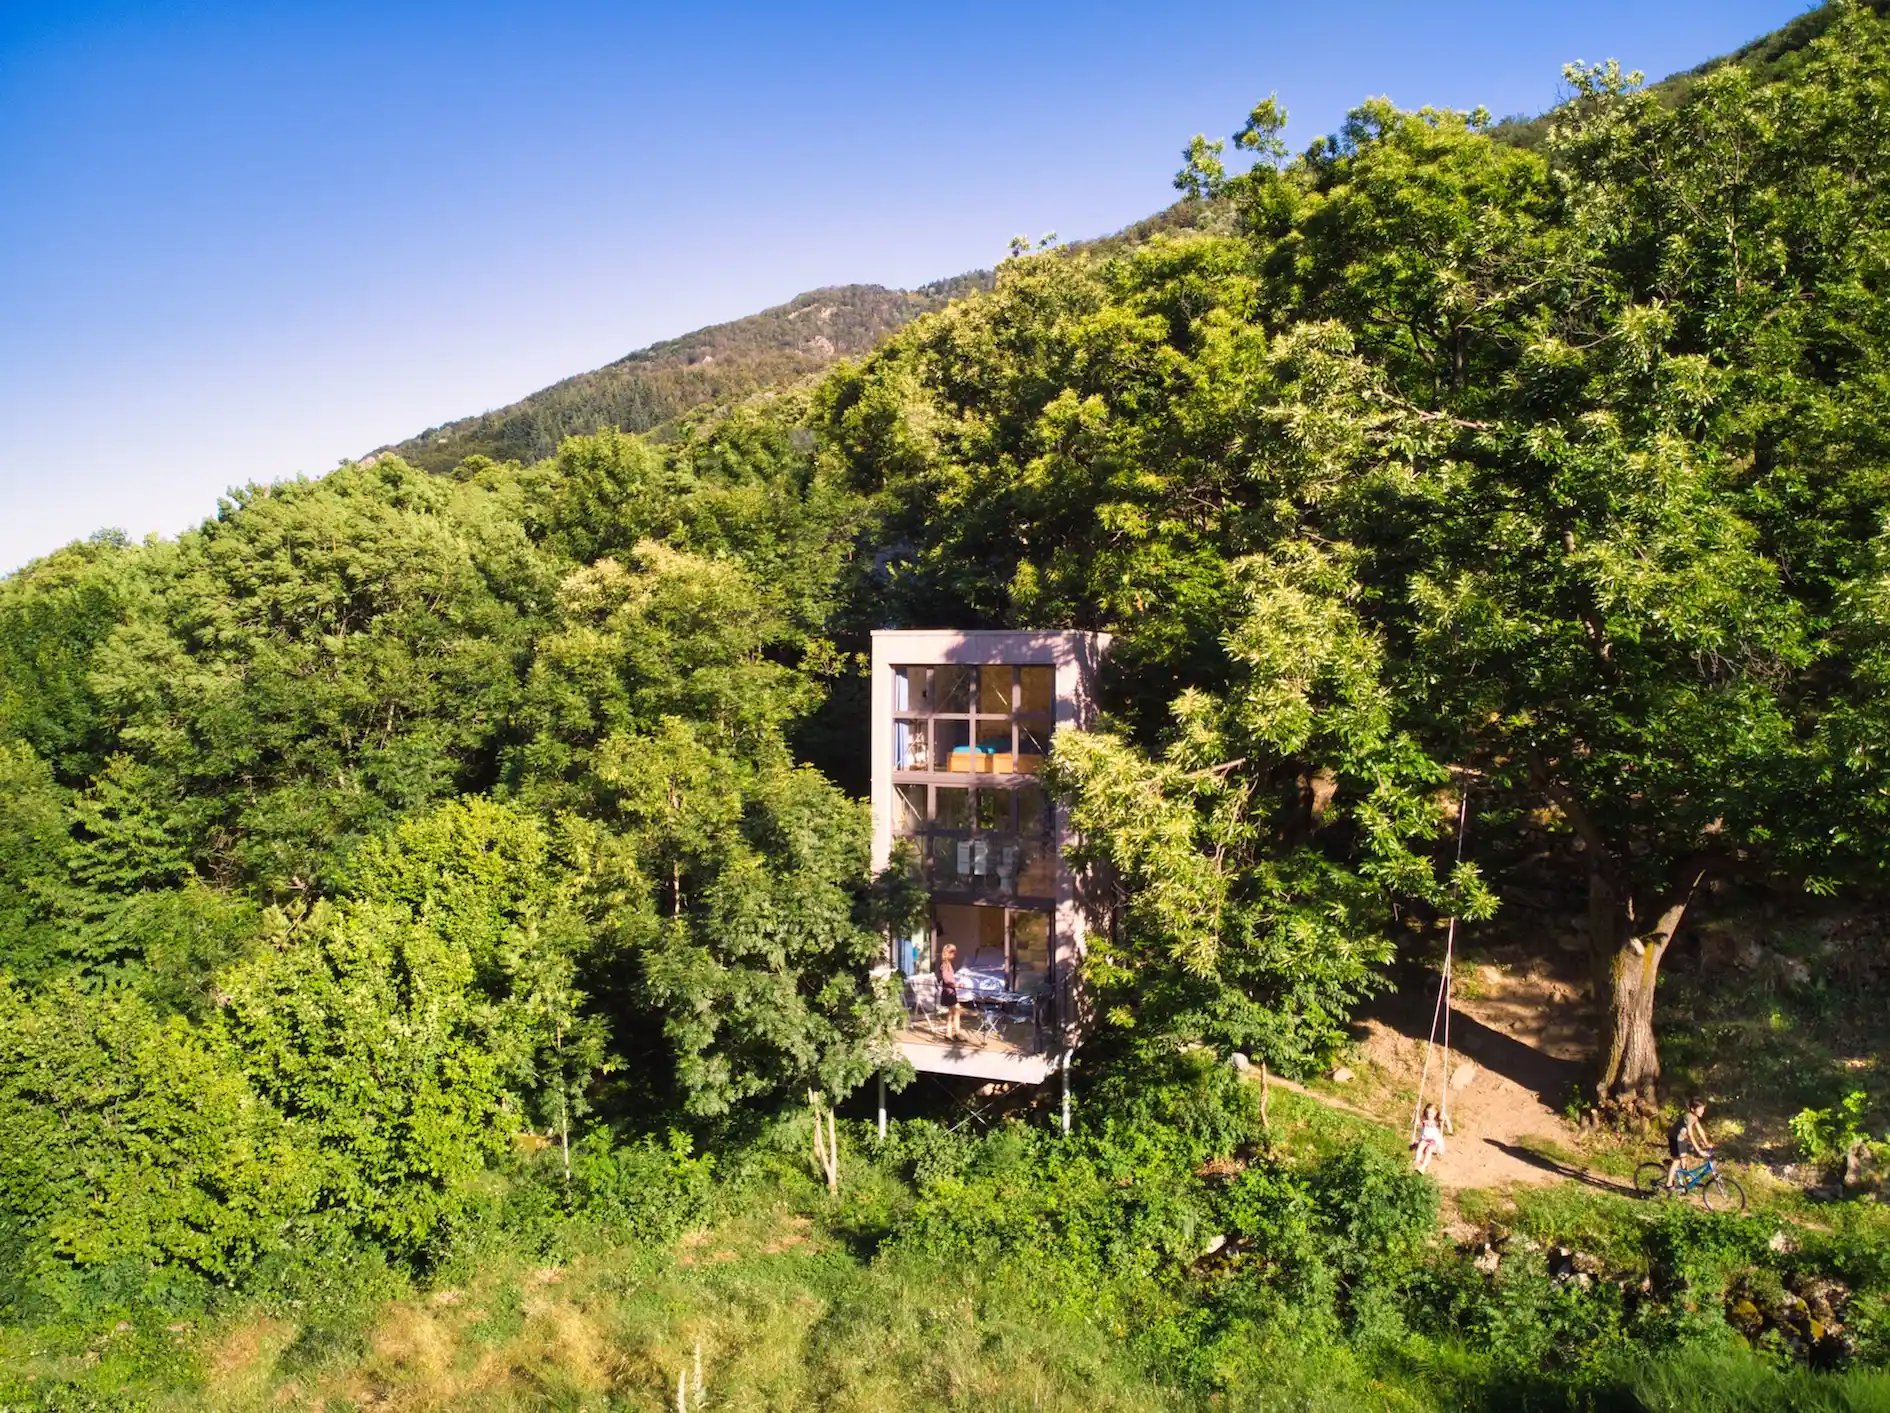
1440 1014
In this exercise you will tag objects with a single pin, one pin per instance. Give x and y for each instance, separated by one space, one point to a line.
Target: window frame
919 718
1012 911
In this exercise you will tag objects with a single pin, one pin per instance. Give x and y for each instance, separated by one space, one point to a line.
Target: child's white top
1431 1133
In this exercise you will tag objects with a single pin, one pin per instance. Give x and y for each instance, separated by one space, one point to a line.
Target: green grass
812 1327
1762 1051
792 1308
1305 1130
797 1300
1568 1214
785 1317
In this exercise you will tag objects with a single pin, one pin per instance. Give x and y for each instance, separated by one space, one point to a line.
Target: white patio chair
922 1001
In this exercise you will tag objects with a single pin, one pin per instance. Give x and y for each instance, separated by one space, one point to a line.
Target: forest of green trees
410 865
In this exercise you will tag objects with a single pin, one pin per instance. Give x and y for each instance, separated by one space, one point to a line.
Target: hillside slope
724 363
721 363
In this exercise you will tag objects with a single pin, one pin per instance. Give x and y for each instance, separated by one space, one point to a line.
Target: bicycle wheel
1650 1179
1723 1194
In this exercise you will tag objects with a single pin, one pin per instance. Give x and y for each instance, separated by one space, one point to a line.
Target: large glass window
1036 689
951 864
1003 948
994 746
909 814
911 688
993 809
987 725
1033 743
987 720
1036 868
1030 951
952 688
953 810
1005 861
909 746
974 849
995 689
1033 815
951 744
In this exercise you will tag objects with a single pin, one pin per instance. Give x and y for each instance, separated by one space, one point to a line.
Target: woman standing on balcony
948 991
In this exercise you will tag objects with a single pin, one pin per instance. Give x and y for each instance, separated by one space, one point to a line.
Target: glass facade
1011 946
968 742
972 720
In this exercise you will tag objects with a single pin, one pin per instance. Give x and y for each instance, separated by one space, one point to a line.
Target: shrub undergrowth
1162 1256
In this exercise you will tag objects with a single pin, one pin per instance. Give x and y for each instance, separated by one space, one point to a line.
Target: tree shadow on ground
1561 1169
1548 1078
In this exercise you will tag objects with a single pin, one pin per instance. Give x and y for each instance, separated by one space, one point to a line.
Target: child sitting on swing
1430 1139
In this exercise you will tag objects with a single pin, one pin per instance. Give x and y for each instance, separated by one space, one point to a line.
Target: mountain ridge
651 386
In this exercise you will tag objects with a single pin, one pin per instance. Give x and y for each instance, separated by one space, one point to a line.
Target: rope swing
1440 1014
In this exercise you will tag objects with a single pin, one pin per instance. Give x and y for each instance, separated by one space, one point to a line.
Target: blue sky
240 242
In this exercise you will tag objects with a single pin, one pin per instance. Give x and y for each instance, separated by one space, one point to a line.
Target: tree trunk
1626 959
1631 1063
1624 953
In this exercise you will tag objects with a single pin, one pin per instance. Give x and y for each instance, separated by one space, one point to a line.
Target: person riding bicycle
1686 1139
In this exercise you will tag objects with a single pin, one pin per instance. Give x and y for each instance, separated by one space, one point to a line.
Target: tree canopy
416 814
1560 471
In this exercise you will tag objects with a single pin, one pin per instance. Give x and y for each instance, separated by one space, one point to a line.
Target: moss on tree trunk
1631 1061
1626 956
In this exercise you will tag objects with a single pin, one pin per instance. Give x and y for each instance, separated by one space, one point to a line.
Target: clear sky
242 241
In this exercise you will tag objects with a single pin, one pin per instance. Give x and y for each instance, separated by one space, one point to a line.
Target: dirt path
1519 1041
1492 1114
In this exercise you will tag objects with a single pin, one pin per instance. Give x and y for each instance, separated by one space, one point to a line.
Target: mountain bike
1717 1191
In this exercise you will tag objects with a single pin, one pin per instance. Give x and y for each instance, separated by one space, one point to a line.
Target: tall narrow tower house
962 722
